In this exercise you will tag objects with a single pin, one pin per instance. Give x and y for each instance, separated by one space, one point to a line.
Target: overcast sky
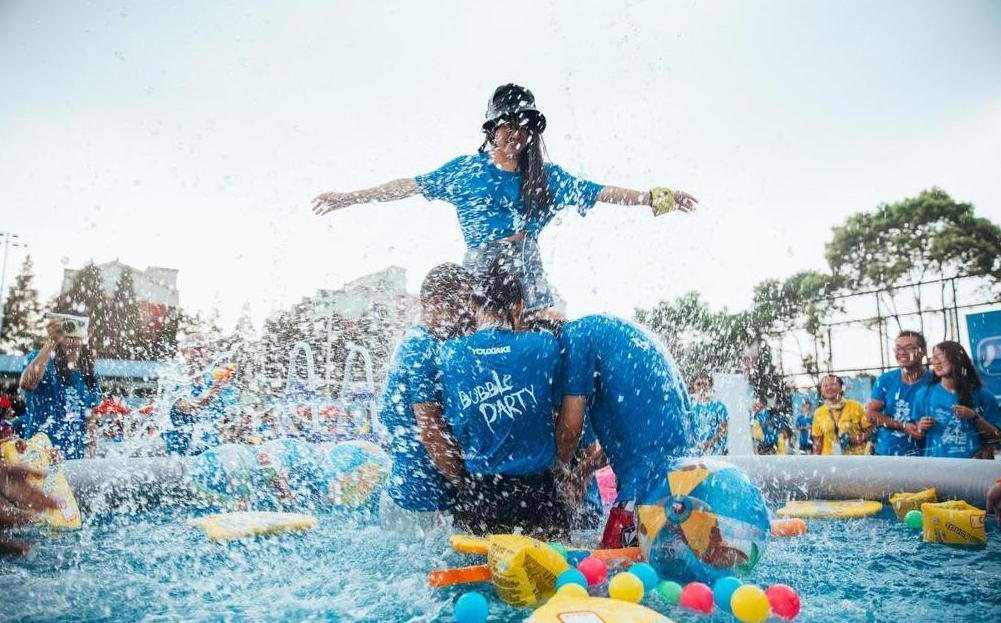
193 135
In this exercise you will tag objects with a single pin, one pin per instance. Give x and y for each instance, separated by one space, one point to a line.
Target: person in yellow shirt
840 422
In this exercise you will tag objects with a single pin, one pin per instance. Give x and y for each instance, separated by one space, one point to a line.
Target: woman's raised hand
686 203
328 202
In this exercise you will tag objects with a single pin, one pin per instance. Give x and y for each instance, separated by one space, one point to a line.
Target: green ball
669 592
559 547
913 519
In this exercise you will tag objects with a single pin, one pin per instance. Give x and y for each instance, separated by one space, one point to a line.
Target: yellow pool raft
830 509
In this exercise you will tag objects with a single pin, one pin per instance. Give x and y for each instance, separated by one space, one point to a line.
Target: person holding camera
62 388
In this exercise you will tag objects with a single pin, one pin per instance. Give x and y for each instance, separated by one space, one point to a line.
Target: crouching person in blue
497 388
417 492
62 388
637 404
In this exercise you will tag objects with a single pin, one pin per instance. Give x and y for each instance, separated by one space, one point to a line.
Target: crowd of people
499 411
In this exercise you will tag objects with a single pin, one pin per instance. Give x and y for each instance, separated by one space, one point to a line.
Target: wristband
662 200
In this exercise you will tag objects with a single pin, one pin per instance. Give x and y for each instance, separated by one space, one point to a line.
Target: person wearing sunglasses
506 193
892 400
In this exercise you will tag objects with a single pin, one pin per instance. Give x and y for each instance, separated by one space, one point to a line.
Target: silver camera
71 326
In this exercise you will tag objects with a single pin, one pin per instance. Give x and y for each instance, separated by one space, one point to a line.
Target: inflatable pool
138 552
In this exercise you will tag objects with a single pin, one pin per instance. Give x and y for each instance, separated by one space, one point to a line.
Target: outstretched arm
390 191
661 200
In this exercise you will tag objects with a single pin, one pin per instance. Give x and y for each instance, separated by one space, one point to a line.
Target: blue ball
723 590
471 608
574 556
646 574
571 576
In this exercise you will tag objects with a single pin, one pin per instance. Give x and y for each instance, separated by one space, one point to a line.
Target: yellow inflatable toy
904 503
523 570
954 523
36 455
569 609
830 509
244 524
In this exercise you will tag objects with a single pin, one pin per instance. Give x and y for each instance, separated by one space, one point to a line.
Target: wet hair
915 334
446 280
963 371
703 375
534 182
808 403
498 290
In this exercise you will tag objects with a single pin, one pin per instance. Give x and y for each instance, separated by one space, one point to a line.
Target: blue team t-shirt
59 409
497 391
771 427
898 403
194 433
804 422
952 437
414 484
487 199
708 418
639 403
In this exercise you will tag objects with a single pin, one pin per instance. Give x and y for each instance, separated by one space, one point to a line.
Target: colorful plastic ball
669 592
626 587
697 596
572 590
750 604
471 608
571 576
784 601
723 590
559 547
646 573
594 569
913 519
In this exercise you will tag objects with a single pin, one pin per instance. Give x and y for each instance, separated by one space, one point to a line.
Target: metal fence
856 335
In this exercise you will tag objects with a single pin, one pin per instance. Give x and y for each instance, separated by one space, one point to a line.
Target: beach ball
222 475
702 520
353 473
287 475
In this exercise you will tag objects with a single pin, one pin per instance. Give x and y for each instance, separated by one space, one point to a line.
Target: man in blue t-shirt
638 405
892 400
804 425
497 389
415 485
61 389
709 418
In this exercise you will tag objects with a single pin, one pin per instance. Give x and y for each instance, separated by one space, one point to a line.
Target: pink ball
594 570
784 601
697 596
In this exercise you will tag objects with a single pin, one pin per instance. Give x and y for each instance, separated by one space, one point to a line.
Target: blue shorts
525 262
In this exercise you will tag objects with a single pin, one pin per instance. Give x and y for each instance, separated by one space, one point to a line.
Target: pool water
153 567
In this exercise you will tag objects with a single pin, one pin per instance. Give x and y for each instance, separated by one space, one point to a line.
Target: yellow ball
572 590
626 587
749 604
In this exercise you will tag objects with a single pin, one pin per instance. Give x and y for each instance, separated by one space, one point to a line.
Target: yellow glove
662 200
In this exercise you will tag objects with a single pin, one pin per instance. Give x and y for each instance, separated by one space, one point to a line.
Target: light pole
8 240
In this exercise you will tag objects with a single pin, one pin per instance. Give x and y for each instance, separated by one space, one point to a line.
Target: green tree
127 337
23 323
918 239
